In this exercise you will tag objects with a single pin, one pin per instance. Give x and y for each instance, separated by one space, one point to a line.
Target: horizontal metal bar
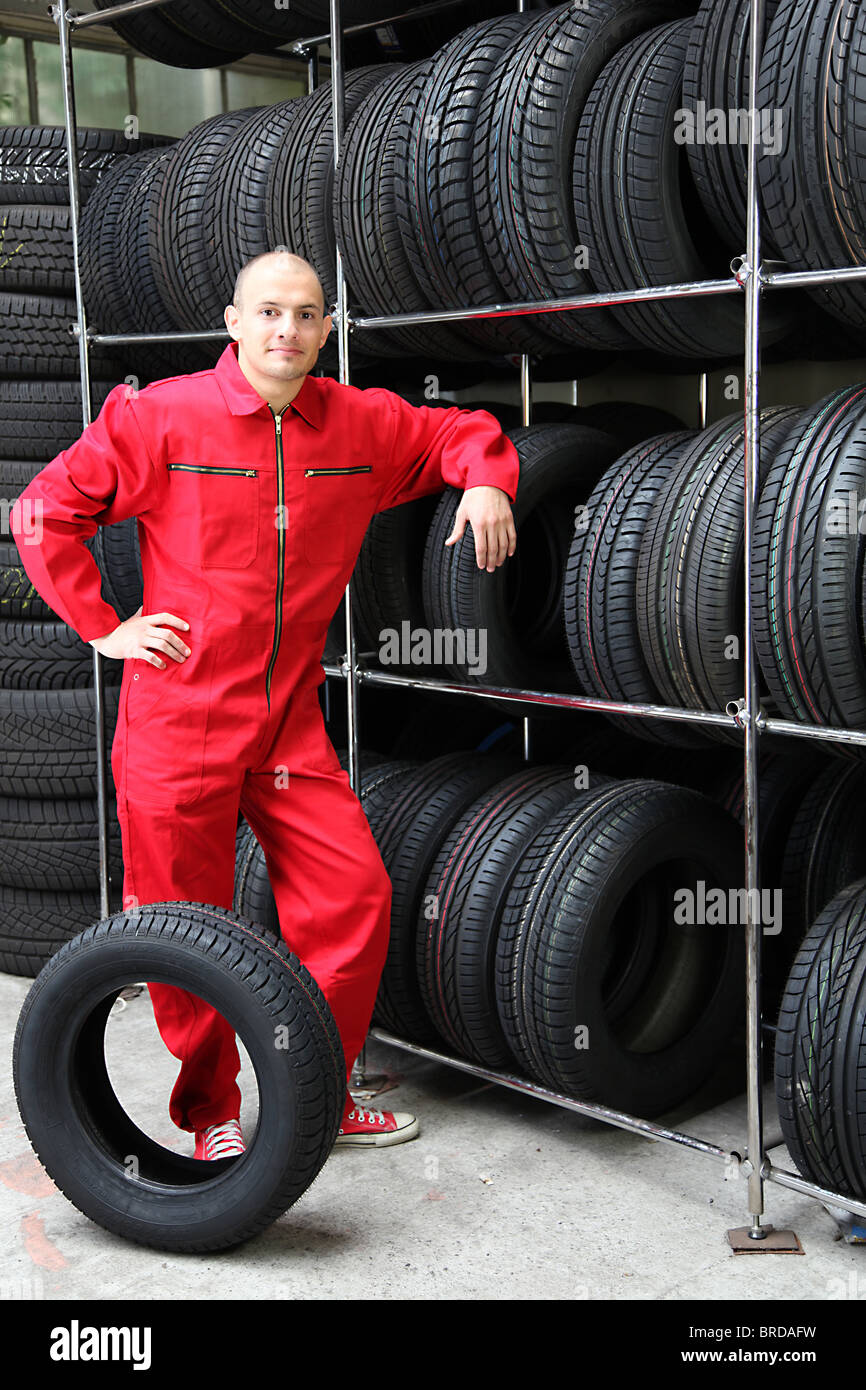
540 697
647 1128
806 278
645 295
783 1178
84 21
206 335
686 289
419 12
817 731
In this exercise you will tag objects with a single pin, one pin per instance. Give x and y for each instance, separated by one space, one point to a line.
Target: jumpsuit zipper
359 468
281 551
209 468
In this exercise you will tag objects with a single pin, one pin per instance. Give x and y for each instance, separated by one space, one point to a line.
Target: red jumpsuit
249 527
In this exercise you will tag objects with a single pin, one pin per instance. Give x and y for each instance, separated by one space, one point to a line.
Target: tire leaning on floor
821 1046
81 1133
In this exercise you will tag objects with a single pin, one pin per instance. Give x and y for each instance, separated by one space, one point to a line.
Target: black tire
300 208
590 940
813 71
468 883
717 73
435 205
637 211
418 813
599 603
37 341
181 235
48 740
807 567
826 845
519 606
35 923
153 34
82 1135
55 844
523 158
689 580
117 553
366 206
117 277
36 248
238 191
19 599
820 1048
38 419
34 167
387 579
48 656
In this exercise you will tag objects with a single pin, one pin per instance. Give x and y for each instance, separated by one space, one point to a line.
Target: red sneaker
220 1141
361 1127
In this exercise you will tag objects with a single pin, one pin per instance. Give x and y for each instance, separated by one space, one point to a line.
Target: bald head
281 259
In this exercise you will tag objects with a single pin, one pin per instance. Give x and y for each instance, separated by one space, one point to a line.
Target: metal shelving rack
749 278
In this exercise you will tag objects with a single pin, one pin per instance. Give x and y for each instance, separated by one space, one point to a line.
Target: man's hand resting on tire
142 637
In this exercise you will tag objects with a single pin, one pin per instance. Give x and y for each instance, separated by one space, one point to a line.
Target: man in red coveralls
253 484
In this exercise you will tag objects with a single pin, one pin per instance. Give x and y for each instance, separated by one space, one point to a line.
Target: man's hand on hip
143 636
488 511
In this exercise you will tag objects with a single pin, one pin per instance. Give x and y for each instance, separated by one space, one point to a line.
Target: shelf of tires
532 156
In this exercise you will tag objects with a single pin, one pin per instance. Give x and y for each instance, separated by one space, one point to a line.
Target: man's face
280 327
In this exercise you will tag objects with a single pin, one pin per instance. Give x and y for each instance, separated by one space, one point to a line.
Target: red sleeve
432 448
106 476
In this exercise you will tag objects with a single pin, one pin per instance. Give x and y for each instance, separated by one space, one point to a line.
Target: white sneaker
220 1141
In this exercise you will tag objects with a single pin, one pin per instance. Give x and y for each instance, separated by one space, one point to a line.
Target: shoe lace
372 1115
221 1141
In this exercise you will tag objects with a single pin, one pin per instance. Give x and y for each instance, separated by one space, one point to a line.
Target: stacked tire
48 808
808 566
203 34
536 929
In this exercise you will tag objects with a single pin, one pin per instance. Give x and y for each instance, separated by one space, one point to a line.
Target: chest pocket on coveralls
165 718
216 508
338 505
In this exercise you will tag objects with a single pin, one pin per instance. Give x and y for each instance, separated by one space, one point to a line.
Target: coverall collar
242 398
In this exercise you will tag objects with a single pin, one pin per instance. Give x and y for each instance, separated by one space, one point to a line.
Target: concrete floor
501 1196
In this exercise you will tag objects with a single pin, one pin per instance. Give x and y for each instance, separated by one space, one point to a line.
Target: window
14 105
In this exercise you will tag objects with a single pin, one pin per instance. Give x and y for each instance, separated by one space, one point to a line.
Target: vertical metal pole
755 1139
359 1070
702 401
526 409
59 14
